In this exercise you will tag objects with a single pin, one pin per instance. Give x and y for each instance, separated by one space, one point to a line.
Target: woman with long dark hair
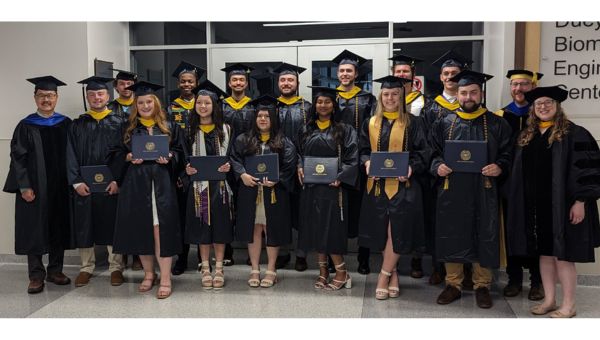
270 215
324 207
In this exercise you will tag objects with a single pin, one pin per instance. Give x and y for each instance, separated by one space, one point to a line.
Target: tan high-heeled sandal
321 280
383 293
268 283
219 279
347 283
394 290
252 282
142 288
207 280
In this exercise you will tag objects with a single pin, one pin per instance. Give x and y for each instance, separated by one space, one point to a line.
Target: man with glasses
516 113
38 177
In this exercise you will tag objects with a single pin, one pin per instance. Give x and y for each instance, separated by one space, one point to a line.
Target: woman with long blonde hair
553 188
147 222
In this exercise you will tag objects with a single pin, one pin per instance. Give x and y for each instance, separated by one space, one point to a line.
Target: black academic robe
431 112
323 225
220 230
240 120
134 225
404 211
575 175
119 109
92 216
277 207
467 216
38 161
515 121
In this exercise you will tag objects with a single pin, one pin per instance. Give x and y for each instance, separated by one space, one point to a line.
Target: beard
469 106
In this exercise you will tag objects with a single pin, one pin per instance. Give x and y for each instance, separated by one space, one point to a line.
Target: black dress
134 232
276 199
404 211
323 225
220 229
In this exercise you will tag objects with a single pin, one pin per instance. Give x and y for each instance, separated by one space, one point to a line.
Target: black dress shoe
363 268
58 279
536 293
416 268
448 295
227 262
282 261
483 297
301 264
512 290
35 286
179 268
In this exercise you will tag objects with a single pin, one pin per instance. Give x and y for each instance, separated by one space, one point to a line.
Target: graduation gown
404 211
467 216
38 161
323 225
515 117
120 109
574 175
240 120
277 210
433 110
134 225
220 230
88 142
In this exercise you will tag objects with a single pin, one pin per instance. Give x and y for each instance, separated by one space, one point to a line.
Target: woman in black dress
553 188
147 222
324 207
209 211
391 218
264 206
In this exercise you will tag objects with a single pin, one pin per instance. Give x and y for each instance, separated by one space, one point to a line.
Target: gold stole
147 122
237 105
185 104
412 96
289 101
349 94
98 116
395 145
124 102
447 105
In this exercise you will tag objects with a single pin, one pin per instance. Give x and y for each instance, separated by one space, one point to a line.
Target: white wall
498 56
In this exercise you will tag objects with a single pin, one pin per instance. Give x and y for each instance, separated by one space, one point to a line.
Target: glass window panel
167 33
324 73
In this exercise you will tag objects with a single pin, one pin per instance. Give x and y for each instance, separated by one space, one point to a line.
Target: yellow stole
412 96
391 115
289 101
445 104
237 105
185 104
543 125
98 116
264 137
207 128
348 94
124 102
323 125
147 122
472 115
395 145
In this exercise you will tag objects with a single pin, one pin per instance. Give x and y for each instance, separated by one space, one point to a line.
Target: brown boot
448 295
435 278
35 286
58 278
536 293
483 297
116 278
82 279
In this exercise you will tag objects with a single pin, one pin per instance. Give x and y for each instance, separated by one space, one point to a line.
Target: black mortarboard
347 57
95 83
402 59
391 82
468 77
324 91
555 92
185 67
143 88
237 68
46 83
452 58
264 102
285 68
208 88
125 75
524 74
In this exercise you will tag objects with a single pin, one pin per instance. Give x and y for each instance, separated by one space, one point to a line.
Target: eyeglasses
521 84
545 103
46 96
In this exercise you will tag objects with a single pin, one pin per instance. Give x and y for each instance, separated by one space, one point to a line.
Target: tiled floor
293 296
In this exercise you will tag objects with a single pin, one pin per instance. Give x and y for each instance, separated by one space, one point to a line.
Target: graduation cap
393 82
208 88
47 83
237 68
95 83
185 67
264 102
125 75
555 92
347 57
468 77
143 88
524 74
402 59
452 58
324 91
285 68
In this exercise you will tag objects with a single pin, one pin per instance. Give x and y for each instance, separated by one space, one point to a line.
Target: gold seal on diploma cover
261 167
319 169
99 178
465 155
388 163
150 146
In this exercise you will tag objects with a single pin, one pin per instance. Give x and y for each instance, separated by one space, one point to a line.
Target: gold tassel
377 189
258 195
487 183
446 183
407 184
273 197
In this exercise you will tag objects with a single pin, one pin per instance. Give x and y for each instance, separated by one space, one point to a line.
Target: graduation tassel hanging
446 183
377 189
273 197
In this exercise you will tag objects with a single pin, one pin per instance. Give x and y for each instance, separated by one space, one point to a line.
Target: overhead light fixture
310 23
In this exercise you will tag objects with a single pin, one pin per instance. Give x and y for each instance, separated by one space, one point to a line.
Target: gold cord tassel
487 183
377 189
446 183
407 184
273 197
258 195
